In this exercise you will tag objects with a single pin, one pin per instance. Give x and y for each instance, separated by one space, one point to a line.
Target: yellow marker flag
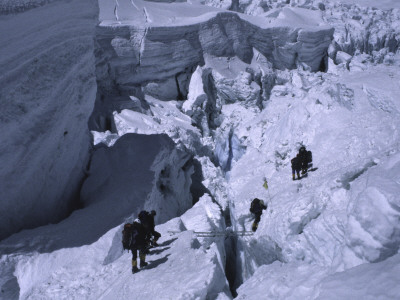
265 185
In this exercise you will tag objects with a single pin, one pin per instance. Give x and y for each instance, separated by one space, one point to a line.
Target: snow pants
256 221
296 171
142 253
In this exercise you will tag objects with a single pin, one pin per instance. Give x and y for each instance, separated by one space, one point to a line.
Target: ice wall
361 26
47 93
140 171
137 46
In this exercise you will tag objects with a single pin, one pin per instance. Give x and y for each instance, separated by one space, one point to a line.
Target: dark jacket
257 206
139 235
296 163
147 220
305 157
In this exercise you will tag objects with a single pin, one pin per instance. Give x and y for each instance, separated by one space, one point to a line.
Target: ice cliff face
48 89
133 165
161 52
359 28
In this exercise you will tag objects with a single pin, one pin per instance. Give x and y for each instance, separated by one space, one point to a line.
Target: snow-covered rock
47 94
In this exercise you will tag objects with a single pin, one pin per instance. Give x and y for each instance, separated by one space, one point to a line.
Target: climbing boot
154 241
254 226
143 263
294 177
134 267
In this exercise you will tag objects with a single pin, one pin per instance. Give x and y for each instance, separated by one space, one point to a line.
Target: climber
147 220
305 159
138 243
257 206
296 167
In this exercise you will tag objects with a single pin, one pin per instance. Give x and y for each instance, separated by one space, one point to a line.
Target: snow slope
346 212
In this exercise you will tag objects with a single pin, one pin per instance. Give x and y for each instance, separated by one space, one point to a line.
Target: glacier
188 108
48 87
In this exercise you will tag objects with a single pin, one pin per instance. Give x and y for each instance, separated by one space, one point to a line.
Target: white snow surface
334 234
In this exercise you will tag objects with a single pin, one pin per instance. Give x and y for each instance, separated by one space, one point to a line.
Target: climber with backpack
147 220
134 239
302 162
305 158
256 207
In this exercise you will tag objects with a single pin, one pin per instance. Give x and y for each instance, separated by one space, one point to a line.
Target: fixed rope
217 233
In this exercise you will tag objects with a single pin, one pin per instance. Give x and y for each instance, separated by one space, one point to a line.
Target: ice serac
143 46
142 171
47 93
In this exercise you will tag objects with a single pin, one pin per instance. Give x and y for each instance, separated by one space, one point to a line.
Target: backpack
309 156
257 206
129 234
253 205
